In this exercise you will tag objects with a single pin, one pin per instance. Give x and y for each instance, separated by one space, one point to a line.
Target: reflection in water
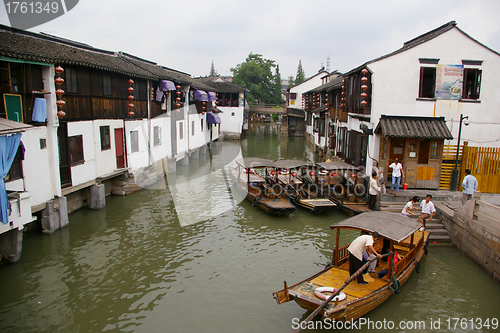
132 267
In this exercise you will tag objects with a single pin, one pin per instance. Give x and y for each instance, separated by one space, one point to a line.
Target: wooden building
418 144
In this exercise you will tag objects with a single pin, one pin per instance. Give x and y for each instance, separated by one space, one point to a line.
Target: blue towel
39 110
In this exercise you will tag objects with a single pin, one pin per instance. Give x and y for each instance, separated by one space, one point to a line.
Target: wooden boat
404 238
302 195
260 191
340 182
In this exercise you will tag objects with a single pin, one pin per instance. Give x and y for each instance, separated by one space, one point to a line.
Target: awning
213 118
389 225
200 95
9 127
212 97
167 85
413 127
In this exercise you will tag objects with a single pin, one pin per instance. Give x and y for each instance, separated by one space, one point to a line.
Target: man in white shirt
469 185
373 191
428 211
356 249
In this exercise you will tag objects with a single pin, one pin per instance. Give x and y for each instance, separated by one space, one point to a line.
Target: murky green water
132 268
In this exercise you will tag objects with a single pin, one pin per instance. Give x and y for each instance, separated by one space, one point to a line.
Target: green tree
290 81
261 77
213 72
301 76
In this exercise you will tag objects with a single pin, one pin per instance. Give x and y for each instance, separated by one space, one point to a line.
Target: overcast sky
188 35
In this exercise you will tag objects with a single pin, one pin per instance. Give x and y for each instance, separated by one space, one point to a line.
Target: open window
472 83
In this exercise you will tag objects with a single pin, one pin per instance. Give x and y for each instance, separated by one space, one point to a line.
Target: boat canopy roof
389 225
337 165
291 164
253 162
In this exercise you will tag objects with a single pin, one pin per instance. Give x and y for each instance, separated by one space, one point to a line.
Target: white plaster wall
37 166
139 159
230 123
106 159
311 83
198 138
164 150
182 140
87 171
395 83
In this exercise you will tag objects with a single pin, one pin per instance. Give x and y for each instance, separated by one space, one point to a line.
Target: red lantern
364 71
353 175
294 174
177 87
131 113
59 80
59 92
326 114
130 89
130 97
178 105
60 102
178 93
61 113
364 79
203 113
272 172
130 81
312 173
364 87
130 105
334 174
59 69
363 103
363 94
178 99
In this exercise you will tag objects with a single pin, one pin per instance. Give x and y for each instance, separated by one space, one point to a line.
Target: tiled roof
413 127
43 48
221 85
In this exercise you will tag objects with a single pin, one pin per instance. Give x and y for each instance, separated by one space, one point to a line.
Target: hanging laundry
159 95
39 110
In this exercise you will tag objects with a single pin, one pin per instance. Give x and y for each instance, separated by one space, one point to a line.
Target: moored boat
404 238
341 183
301 194
249 177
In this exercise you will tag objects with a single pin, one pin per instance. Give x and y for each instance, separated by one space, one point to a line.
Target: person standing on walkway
428 211
373 191
356 249
469 185
397 171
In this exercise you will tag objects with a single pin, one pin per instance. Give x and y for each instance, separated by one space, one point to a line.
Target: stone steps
438 234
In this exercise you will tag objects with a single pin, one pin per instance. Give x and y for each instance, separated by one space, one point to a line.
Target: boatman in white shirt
469 185
428 211
356 249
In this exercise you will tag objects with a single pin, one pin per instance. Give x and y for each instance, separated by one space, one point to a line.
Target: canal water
149 263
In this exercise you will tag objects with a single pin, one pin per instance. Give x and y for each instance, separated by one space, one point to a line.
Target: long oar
325 303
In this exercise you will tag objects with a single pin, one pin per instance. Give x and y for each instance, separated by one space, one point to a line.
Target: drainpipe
148 106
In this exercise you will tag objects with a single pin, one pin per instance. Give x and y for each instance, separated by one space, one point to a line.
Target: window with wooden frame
105 138
134 141
427 87
106 84
435 150
71 80
75 146
293 96
16 169
413 149
316 125
472 83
